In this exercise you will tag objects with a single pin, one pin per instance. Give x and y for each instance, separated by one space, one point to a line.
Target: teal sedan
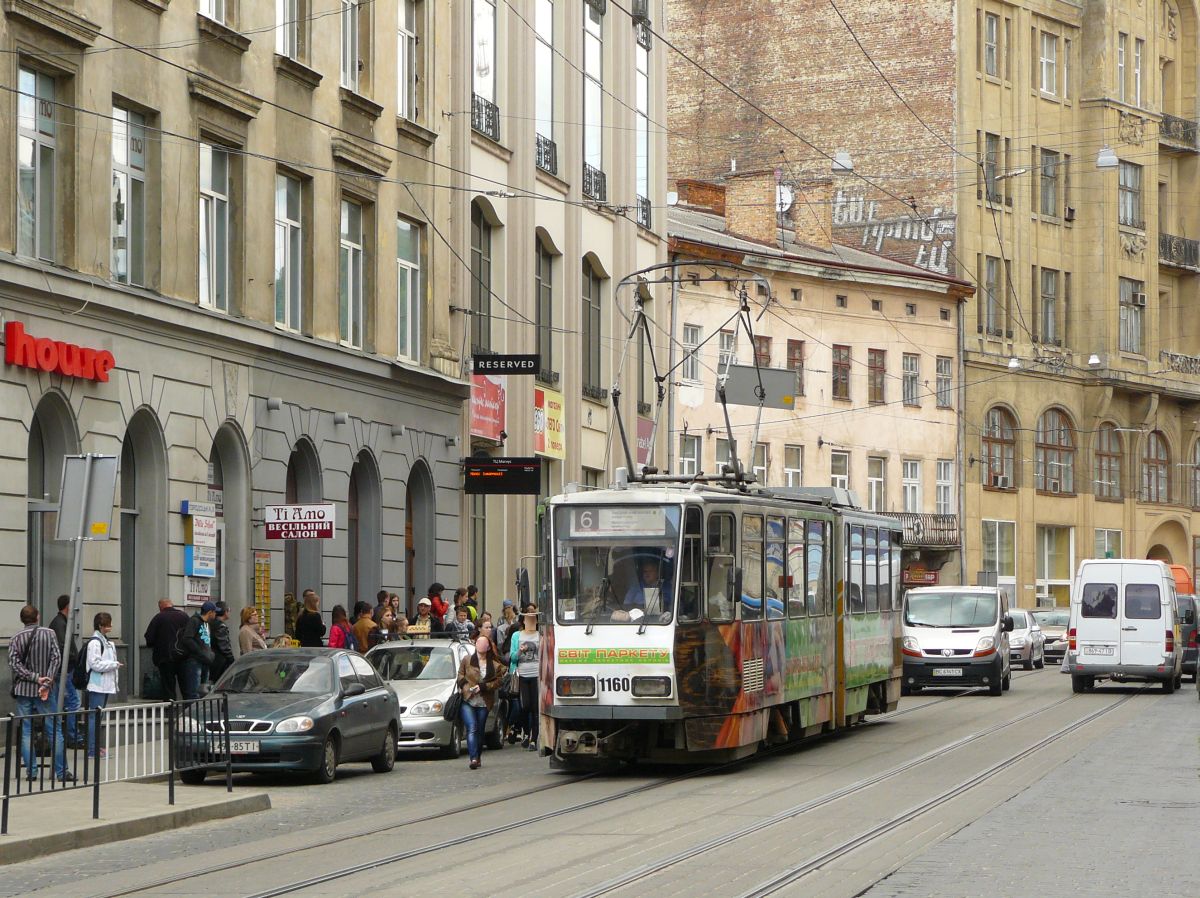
304 710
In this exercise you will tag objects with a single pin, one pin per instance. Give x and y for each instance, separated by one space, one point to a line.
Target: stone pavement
1119 819
62 820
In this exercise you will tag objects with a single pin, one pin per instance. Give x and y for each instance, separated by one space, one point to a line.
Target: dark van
1188 627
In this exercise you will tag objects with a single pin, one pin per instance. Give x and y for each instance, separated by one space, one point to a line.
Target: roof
686 223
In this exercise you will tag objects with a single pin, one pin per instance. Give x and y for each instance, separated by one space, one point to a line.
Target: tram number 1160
615 684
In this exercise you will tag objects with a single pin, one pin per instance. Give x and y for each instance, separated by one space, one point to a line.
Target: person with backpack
341 635
102 666
222 643
162 634
60 625
195 645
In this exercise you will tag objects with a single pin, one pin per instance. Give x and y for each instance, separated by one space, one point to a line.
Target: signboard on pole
502 476
548 437
299 521
505 364
778 387
87 516
487 407
197 590
262 588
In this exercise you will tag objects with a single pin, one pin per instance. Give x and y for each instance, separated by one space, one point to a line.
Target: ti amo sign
299 521
506 364
502 476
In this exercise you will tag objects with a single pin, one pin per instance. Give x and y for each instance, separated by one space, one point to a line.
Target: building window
693 335
543 64
1139 48
689 455
911 484
840 301
999 542
793 465
213 9
641 55
1054 458
991 44
289 240
1048 312
1129 195
1048 183
592 330
910 309
481 280
912 379
36 151
407 93
999 450
1066 70
214 227
593 86
762 351
876 372
544 310
795 361
129 197
1156 463
841 372
991 293
722 455
1049 63
761 462
1055 562
484 115
945 486
1194 478
1122 47
877 305
991 167
728 354
839 470
1108 544
350 274
1108 456
409 291
291 27
1133 311
876 483
350 67
945 381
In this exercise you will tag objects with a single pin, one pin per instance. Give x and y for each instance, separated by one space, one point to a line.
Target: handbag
453 706
512 685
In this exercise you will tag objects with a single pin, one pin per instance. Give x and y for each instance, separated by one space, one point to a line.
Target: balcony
546 155
929 530
485 117
643 211
1179 133
595 185
1179 252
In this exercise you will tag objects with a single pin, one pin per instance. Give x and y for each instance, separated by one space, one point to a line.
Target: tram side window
797 583
884 567
817 591
721 562
870 563
752 567
897 591
773 595
854 586
691 566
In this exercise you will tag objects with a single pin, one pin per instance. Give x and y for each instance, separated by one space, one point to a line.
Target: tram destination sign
299 521
520 476
505 364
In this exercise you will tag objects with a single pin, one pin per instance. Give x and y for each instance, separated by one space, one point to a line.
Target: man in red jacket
438 605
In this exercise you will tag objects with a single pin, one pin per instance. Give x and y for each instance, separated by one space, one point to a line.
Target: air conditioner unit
1139 299
639 11
1001 481
1070 213
1054 486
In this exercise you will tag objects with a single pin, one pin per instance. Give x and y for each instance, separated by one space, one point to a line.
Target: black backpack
80 675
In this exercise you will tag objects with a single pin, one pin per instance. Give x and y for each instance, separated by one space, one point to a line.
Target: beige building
873 344
559 155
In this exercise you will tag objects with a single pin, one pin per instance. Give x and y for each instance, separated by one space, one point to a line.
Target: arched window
1195 475
1054 460
999 450
1156 465
1108 463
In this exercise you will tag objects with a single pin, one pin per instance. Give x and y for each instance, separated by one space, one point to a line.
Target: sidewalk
62 821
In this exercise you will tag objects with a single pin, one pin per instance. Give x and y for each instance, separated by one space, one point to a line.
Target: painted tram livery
698 622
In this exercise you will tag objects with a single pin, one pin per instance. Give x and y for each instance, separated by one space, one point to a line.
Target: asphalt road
892 806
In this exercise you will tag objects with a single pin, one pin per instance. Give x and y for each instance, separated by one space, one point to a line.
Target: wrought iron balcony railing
1180 132
1179 252
931 530
643 211
485 117
595 185
546 155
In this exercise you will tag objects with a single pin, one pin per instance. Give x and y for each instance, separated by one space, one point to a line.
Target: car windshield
415 662
1053 618
1020 621
615 564
300 676
950 609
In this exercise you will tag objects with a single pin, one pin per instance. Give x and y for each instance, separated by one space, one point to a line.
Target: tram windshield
615 564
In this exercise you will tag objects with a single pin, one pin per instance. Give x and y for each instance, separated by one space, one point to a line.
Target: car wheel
996 687
1028 665
454 748
495 739
905 689
1006 681
386 759
329 760
193 777
1168 685
1078 683
1041 661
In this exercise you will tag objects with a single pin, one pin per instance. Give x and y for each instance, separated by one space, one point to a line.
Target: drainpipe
959 460
671 367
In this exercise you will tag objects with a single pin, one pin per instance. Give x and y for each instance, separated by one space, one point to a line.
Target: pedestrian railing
38 761
198 739
136 743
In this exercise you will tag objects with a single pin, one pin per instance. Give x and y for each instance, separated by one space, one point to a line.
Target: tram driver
648 596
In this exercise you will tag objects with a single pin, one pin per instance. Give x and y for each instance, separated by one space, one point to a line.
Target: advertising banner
548 438
487 406
645 428
299 521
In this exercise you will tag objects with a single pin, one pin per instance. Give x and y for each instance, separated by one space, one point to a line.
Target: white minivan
1124 624
956 636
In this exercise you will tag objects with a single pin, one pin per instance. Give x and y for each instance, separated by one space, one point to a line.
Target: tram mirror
522 587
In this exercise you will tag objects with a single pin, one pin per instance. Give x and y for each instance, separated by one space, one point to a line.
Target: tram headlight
652 687
575 687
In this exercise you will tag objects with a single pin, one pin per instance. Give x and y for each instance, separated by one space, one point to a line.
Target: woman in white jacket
102 665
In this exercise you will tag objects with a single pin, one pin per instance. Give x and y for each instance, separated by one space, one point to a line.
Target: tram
700 622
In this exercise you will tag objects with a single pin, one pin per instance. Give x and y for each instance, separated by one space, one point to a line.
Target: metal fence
38 761
198 740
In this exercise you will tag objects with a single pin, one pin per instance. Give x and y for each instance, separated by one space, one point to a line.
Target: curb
17 849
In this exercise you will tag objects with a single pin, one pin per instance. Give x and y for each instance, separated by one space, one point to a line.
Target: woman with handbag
479 678
525 658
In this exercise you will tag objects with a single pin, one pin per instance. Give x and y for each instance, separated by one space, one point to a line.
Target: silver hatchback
422 672
1026 643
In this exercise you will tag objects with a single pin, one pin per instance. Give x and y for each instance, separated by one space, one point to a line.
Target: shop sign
262 588
204 531
505 364
196 590
202 509
487 407
645 431
548 438
502 476
299 521
200 561
43 354
918 576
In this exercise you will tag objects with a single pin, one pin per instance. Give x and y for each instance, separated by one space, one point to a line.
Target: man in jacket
197 648
34 660
222 645
60 625
160 637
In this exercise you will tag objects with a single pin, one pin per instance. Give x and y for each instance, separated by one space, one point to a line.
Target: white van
956 636
1124 624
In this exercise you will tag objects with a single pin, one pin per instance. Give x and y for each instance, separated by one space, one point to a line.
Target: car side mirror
1008 624
353 689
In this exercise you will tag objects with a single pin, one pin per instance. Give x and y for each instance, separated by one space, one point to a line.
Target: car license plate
243 747
947 672
1098 650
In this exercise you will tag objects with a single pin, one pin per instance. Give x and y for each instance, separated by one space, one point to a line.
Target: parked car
422 673
1026 644
305 710
1053 622
956 636
1188 610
